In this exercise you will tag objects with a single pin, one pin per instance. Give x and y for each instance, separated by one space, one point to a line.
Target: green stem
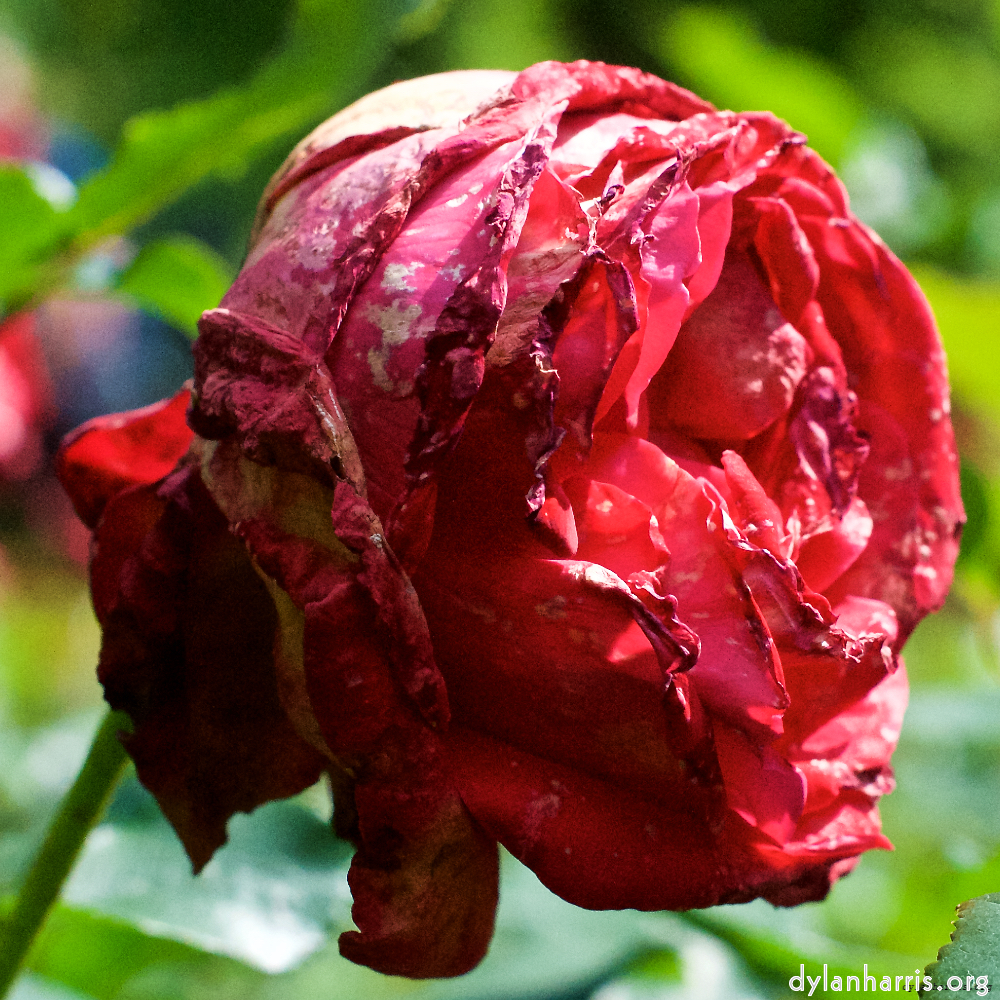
79 811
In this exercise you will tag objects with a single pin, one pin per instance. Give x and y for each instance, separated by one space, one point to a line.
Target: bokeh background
139 134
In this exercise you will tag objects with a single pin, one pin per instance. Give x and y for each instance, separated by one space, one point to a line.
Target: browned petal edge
361 679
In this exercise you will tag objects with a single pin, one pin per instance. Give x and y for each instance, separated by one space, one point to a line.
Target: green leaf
776 943
177 278
422 19
511 35
49 641
724 59
973 956
269 897
100 956
31 986
976 500
968 315
29 227
336 45
164 153
278 892
947 83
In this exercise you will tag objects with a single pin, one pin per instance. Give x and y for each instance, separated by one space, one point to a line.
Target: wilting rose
570 466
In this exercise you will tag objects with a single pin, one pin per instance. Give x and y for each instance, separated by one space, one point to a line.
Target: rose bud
566 469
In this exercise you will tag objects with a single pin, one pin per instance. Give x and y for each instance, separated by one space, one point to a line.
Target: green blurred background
163 120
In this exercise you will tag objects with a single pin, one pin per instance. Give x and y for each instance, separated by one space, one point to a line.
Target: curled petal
425 908
885 328
592 319
109 454
761 785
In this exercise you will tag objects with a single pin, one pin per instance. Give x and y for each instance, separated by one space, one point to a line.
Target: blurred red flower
23 135
571 466
25 391
25 398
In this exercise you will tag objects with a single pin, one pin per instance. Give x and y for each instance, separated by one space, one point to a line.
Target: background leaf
724 59
974 948
29 226
177 278
110 959
968 315
334 48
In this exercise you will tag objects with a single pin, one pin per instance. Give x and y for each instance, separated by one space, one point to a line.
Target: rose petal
761 785
424 877
890 344
592 321
187 653
827 554
737 675
547 654
560 823
790 265
108 454
736 363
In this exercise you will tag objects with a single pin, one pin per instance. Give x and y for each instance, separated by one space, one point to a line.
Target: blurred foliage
110 59
166 120
728 58
175 277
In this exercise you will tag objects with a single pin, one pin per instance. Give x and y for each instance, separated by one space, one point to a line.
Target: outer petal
553 665
108 454
431 102
893 352
187 653
384 339
603 847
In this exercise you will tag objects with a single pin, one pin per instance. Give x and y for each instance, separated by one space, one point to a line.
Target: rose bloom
568 468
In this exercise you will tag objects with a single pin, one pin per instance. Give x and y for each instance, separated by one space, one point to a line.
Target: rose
570 467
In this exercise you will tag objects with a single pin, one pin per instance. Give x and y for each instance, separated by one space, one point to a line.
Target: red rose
570 467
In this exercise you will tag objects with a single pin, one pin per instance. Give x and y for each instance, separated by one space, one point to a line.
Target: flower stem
79 811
